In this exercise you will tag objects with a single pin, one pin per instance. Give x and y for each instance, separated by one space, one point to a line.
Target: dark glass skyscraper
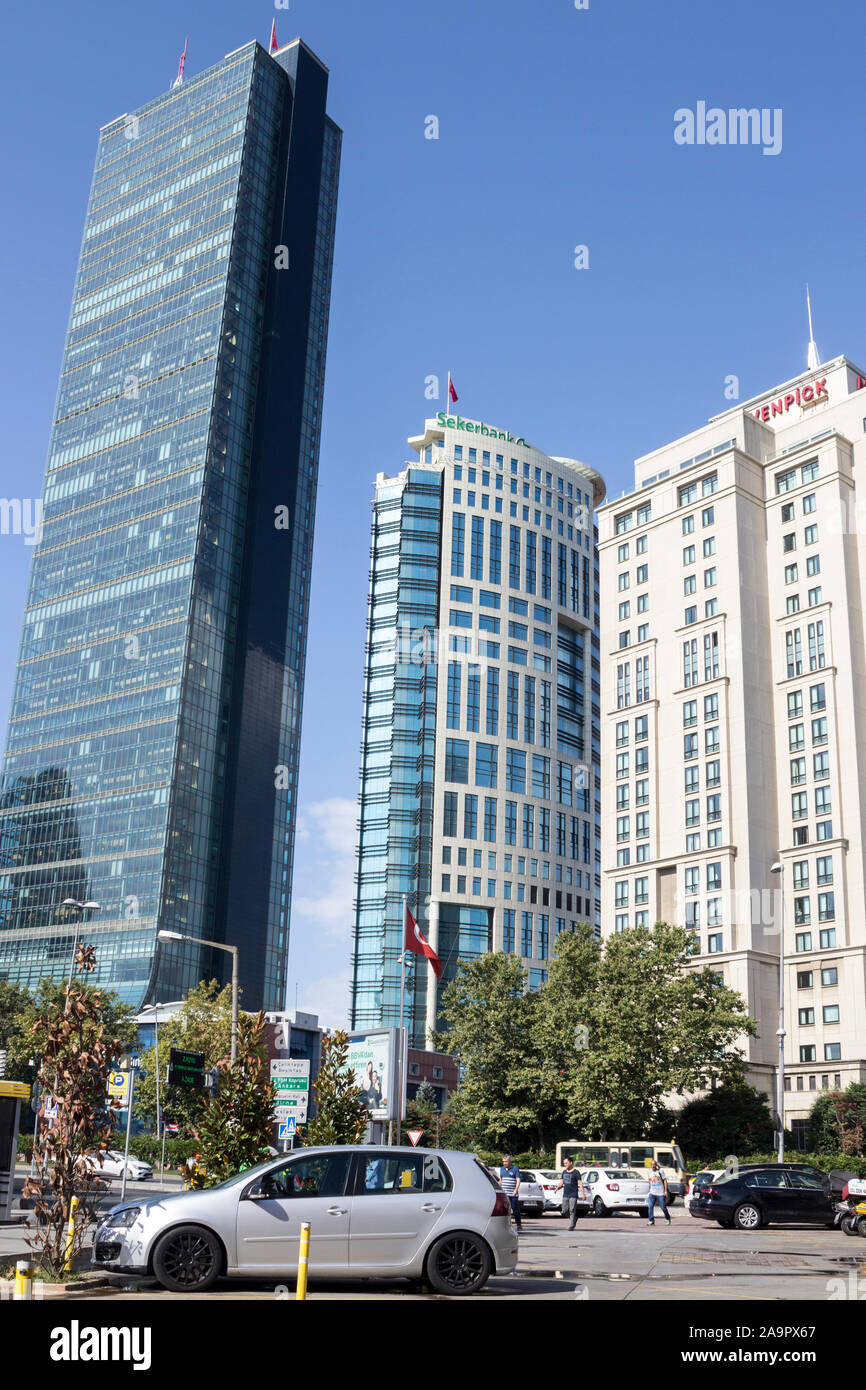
151 760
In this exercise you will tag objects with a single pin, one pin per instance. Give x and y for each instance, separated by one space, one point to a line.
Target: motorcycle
851 1210
852 1217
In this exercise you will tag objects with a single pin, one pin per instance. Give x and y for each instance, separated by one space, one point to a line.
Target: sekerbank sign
456 422
807 395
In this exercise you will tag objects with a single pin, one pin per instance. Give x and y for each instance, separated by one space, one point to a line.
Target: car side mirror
256 1192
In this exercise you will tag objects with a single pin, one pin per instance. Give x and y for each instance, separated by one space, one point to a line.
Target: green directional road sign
290 1083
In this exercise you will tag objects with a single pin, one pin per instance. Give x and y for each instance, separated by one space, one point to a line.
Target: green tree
564 1023
202 1024
837 1121
492 1028
13 1001
341 1112
235 1126
730 1120
654 1026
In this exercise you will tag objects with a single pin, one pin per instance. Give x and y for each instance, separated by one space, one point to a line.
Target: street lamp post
218 946
779 868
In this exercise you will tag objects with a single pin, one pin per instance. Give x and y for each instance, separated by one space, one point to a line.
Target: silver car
429 1214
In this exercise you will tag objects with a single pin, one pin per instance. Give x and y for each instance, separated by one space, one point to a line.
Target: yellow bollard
70 1234
303 1260
23 1291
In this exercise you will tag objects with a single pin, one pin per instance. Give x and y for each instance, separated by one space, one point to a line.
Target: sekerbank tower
480 748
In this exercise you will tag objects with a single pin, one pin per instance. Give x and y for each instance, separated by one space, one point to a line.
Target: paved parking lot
620 1257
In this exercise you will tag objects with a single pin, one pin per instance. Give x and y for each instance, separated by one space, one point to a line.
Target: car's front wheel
747 1217
458 1264
187 1259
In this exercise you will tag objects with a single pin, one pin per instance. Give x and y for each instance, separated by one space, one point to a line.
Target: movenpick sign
805 395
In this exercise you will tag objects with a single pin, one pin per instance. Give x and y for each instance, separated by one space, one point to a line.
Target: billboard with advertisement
373 1057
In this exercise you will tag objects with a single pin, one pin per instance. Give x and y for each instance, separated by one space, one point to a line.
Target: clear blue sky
556 129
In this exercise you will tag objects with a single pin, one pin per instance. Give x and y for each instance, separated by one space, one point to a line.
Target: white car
531 1194
704 1178
615 1189
114 1163
547 1179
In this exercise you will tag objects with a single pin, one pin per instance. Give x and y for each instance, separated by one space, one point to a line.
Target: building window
456 760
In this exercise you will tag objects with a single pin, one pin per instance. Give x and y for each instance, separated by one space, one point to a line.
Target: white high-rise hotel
734 713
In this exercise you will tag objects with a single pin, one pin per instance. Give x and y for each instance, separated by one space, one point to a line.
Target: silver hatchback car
431 1214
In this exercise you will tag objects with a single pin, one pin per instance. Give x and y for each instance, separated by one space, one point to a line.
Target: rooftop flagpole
178 81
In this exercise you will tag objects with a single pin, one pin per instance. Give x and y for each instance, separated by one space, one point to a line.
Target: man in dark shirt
572 1186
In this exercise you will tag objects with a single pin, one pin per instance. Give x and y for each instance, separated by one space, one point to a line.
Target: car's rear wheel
747 1217
598 1207
458 1264
672 1201
187 1259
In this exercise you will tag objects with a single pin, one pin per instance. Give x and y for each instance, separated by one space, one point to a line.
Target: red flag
274 44
414 941
452 394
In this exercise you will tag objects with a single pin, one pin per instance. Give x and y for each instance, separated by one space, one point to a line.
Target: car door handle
337 1211
429 1206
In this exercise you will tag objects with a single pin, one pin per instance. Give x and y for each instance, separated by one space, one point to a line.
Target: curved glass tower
152 750
480 752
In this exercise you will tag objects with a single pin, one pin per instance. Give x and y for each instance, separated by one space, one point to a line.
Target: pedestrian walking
509 1181
572 1187
658 1194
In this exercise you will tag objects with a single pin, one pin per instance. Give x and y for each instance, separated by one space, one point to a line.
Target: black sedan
754 1196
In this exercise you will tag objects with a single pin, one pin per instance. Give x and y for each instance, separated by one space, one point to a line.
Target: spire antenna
812 358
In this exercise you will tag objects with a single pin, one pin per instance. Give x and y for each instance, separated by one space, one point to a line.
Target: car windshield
551 1176
245 1175
624 1173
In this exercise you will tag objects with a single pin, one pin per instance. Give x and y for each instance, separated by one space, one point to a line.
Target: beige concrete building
734 717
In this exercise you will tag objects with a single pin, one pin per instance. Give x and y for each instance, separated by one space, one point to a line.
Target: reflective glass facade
480 754
151 758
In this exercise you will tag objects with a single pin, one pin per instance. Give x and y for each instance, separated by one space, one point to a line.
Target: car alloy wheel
458 1263
747 1217
599 1207
187 1259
